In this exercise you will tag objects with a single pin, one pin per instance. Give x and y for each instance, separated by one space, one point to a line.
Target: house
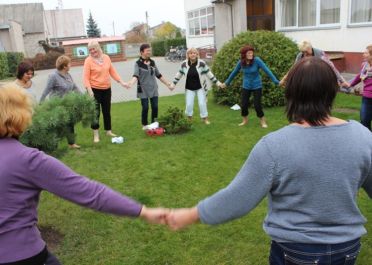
77 50
27 25
341 27
137 34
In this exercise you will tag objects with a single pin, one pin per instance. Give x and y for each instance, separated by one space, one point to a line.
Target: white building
343 26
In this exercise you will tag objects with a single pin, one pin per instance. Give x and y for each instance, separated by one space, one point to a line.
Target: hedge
14 59
4 68
276 50
161 47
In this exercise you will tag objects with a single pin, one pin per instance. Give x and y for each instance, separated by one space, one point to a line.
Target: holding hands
176 219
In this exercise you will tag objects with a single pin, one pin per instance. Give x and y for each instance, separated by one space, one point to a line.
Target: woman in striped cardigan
197 72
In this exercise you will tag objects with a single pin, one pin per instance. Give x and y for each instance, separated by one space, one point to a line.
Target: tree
92 28
166 31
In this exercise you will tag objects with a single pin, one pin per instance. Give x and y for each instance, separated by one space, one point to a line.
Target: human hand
90 92
154 215
345 84
172 87
282 82
124 84
222 85
180 218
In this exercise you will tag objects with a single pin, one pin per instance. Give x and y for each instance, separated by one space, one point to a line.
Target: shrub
14 59
4 69
161 47
277 51
45 61
174 121
158 48
50 120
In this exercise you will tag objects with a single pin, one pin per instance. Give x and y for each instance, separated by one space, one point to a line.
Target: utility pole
147 25
113 26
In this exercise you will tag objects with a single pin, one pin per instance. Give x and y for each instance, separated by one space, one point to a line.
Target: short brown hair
369 49
310 91
62 61
16 108
23 68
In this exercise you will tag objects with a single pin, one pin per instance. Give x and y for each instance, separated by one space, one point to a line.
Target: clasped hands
175 219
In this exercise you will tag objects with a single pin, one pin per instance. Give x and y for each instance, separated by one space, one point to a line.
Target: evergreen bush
276 50
174 121
51 118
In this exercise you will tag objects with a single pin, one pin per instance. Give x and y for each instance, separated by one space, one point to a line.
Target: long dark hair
243 55
311 88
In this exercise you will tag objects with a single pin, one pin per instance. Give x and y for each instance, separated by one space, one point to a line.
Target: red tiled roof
86 41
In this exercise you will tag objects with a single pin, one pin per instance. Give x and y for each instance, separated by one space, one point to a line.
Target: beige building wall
31 42
226 14
16 37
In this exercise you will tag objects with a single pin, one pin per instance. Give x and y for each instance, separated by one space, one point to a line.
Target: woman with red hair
250 66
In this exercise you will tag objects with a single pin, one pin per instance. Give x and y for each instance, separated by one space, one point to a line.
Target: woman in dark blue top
252 83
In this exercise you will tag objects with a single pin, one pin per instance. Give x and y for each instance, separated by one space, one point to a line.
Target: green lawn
170 171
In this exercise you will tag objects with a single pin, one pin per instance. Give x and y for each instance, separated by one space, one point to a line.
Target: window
201 21
309 13
361 11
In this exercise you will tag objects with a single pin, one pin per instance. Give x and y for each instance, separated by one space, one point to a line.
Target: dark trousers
43 258
70 134
145 109
257 95
103 100
366 112
321 254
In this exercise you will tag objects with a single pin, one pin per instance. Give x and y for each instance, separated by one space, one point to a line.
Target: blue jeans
320 254
366 112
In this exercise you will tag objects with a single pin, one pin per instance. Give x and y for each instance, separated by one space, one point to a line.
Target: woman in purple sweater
365 75
25 172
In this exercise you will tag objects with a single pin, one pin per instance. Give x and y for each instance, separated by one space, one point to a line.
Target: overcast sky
123 12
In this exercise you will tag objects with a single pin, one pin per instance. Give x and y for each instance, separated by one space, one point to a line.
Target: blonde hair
369 49
62 61
16 109
190 50
93 44
304 45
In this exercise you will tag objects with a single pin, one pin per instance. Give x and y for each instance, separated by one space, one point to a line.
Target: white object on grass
235 107
117 140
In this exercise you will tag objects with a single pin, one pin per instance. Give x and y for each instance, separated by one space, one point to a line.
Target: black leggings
257 95
145 109
103 99
43 258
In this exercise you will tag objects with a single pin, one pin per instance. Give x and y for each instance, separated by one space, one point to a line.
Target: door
261 14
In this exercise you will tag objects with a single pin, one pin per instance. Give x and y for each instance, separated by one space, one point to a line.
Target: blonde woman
307 50
26 172
97 72
196 72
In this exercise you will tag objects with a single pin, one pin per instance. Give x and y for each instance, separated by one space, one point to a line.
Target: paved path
125 70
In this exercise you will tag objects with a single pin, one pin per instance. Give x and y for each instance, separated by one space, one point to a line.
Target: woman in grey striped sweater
196 72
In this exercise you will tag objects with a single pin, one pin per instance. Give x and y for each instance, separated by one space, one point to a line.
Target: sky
122 12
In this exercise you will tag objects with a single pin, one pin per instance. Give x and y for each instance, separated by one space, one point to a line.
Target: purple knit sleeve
52 175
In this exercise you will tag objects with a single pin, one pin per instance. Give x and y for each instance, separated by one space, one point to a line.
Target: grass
171 171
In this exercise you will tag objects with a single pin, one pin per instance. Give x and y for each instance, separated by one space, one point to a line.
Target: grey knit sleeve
49 87
244 193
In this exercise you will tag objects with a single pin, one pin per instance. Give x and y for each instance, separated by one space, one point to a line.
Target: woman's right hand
90 92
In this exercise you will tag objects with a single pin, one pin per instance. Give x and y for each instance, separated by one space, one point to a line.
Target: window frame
200 17
317 25
357 24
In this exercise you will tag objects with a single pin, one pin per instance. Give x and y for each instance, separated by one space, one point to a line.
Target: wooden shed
77 50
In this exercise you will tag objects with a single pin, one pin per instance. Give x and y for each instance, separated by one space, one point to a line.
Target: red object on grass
155 132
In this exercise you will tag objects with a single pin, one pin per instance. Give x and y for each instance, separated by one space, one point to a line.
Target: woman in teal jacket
252 83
